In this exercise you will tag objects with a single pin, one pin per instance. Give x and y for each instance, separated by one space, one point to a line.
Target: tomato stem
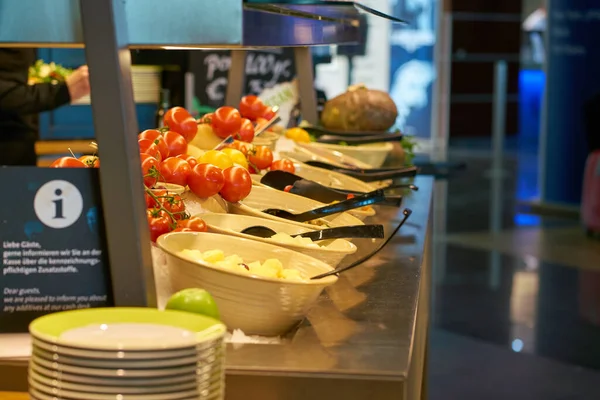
159 206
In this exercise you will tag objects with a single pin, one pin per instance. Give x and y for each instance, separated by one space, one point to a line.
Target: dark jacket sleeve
17 96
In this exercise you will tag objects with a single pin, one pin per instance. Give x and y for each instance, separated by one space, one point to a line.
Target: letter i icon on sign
58 204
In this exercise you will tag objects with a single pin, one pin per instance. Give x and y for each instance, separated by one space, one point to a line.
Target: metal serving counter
365 339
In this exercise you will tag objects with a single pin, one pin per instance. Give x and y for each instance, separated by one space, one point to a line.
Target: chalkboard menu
264 69
53 244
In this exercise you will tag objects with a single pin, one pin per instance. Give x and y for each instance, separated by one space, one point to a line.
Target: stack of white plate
126 354
146 82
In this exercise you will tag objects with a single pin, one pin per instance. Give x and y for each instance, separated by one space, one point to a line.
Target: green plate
136 329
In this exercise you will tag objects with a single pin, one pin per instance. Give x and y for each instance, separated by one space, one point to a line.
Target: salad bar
225 256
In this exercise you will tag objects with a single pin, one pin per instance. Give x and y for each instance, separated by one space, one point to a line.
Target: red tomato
246 133
149 169
158 222
175 205
149 147
90 161
268 114
150 202
226 121
238 184
175 170
170 116
206 118
288 188
241 146
283 165
252 107
68 162
179 120
158 139
193 161
261 157
176 143
349 196
194 224
206 180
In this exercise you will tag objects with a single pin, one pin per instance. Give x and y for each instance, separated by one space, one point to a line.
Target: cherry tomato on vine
238 184
174 204
175 170
150 170
179 120
206 180
158 139
195 224
252 107
159 223
176 143
147 146
193 161
226 121
283 165
261 157
68 162
246 133
150 202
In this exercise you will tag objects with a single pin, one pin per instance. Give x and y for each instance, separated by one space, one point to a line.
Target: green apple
197 301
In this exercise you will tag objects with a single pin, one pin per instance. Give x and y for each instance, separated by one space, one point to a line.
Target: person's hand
78 83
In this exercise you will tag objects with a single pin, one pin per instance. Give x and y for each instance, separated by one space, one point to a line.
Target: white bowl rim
328 280
351 250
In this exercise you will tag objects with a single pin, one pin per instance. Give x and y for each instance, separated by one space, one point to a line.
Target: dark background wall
483 32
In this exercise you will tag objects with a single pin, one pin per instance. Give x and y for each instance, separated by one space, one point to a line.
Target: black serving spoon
341 232
281 180
335 139
371 174
407 212
351 204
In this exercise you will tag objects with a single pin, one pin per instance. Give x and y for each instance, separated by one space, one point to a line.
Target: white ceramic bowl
326 178
256 305
261 198
373 154
331 252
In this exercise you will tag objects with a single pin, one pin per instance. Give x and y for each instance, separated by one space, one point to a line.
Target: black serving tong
368 174
407 212
335 139
330 209
340 232
280 180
